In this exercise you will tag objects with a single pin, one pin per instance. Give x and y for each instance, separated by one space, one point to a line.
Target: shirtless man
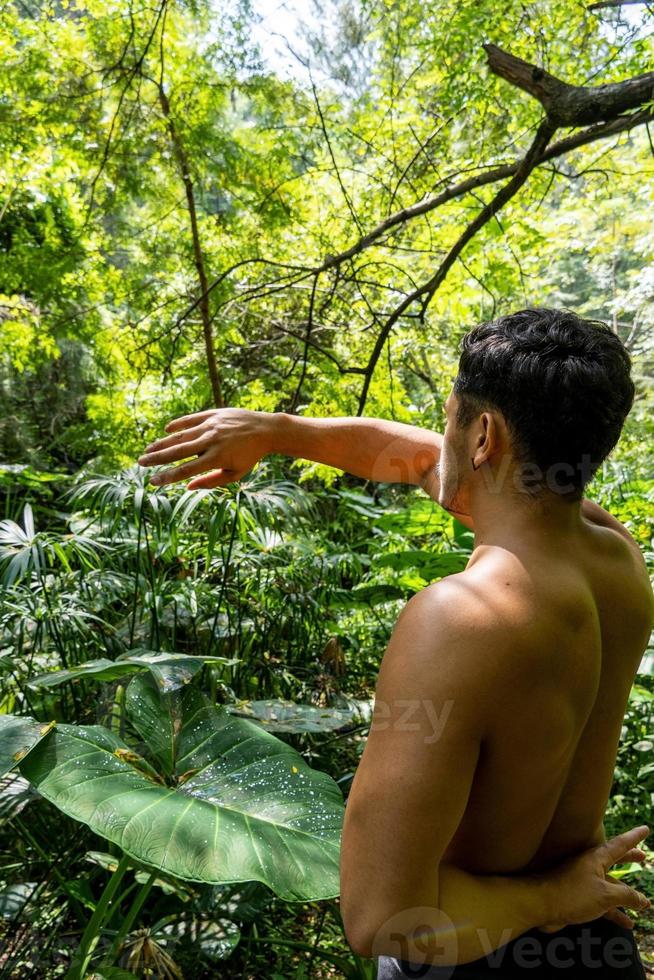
473 840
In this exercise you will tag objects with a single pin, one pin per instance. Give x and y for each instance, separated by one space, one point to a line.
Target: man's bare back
581 613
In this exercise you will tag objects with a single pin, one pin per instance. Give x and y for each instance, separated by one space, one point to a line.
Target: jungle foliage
183 225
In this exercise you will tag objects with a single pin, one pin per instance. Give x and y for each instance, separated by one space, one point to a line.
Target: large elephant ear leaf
18 736
156 717
279 715
170 670
240 804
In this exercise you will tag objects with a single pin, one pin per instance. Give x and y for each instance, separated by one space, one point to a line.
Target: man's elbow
376 935
359 938
356 926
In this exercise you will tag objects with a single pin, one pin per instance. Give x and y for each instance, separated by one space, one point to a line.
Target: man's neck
513 520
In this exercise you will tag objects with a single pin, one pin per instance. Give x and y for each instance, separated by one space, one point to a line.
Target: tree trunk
203 282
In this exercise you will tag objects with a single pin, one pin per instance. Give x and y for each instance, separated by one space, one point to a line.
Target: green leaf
215 938
423 517
108 862
155 717
241 805
430 564
18 736
15 794
370 595
278 715
81 890
171 670
640 693
100 670
628 869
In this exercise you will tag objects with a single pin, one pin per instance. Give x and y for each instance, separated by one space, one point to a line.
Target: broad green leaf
640 693
463 536
241 805
15 794
99 670
108 862
171 670
430 565
155 716
286 716
18 736
368 595
422 517
80 889
628 869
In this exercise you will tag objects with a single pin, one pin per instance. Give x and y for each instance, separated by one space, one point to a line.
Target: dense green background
149 150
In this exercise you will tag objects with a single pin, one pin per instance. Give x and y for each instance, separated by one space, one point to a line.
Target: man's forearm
498 907
475 915
375 449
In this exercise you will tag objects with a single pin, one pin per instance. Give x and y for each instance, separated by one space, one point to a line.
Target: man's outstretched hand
226 443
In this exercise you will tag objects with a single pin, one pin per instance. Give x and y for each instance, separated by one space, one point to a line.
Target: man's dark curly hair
562 384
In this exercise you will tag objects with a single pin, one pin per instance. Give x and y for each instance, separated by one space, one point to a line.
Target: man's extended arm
229 441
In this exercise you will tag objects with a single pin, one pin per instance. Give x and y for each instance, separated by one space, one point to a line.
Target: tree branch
543 135
198 254
480 180
615 3
565 105
571 105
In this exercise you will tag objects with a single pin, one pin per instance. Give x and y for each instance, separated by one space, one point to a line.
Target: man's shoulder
625 571
474 599
597 515
451 600
459 618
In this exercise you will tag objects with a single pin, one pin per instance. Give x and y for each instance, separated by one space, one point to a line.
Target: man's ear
487 439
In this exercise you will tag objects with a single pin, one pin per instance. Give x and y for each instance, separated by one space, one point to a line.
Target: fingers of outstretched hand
186 421
178 438
614 850
208 481
635 854
181 450
181 472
